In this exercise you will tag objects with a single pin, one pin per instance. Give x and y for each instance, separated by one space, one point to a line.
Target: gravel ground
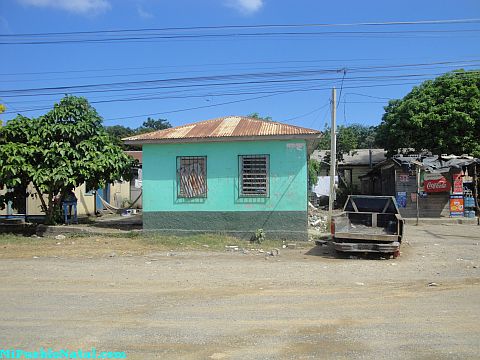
303 304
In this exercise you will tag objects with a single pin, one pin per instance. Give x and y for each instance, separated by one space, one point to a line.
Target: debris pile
317 219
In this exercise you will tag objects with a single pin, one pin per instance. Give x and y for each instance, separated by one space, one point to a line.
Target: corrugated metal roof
354 157
224 127
136 154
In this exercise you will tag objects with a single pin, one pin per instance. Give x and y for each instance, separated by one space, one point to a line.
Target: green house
229 175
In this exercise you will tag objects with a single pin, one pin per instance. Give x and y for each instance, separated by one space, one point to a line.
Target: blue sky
286 76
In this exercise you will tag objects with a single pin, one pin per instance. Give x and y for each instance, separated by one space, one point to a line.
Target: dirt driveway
302 304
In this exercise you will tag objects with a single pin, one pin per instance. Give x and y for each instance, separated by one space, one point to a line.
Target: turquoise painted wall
288 176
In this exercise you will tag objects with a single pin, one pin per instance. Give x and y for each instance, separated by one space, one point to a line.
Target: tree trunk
47 206
42 200
50 210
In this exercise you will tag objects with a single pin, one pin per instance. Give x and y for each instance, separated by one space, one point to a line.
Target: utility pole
418 193
333 155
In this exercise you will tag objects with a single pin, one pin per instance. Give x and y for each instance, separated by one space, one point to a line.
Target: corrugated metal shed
225 129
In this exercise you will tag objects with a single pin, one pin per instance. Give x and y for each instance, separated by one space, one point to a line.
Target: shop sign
458 183
436 184
403 178
402 199
456 205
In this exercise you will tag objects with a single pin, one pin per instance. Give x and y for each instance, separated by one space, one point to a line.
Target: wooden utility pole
333 154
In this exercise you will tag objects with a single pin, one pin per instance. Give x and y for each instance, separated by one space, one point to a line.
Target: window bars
192 176
254 175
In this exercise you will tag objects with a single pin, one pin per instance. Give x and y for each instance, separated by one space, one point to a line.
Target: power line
341 86
302 61
244 100
255 98
257 26
299 73
209 37
308 113
378 78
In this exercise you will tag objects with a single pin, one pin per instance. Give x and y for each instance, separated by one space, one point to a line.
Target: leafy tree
255 115
440 115
2 108
313 170
153 125
118 132
62 149
349 138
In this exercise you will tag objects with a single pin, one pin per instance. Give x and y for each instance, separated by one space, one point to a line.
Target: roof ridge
227 126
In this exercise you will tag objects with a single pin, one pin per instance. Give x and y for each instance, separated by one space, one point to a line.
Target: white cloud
246 6
74 6
144 13
4 25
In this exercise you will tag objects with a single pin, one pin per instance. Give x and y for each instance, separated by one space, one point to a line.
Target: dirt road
302 304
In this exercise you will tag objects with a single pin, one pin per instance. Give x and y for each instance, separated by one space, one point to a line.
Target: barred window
192 176
254 175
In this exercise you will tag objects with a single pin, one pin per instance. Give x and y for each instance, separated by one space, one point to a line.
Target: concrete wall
85 202
283 214
120 194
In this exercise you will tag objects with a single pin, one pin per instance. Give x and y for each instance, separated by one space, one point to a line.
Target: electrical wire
257 26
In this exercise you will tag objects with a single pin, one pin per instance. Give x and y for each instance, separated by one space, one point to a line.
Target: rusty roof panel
231 126
226 128
204 129
247 128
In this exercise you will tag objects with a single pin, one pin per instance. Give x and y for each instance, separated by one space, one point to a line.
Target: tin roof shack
354 164
230 175
440 180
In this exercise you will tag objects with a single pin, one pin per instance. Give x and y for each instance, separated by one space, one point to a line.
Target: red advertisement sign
436 185
457 183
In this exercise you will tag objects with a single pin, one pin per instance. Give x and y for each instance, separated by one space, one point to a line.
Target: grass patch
132 243
8 239
215 242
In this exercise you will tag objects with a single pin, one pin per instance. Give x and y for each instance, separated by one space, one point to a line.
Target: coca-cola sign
436 185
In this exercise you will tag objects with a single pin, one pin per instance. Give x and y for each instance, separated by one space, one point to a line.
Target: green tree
117 132
313 170
440 115
153 125
2 108
255 115
349 138
62 149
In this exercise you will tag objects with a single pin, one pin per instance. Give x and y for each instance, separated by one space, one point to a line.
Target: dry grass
134 243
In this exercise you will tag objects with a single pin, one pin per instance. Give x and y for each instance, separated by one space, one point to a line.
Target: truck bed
363 232
368 224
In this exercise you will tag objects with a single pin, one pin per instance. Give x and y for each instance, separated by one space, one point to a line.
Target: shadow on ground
113 221
327 251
